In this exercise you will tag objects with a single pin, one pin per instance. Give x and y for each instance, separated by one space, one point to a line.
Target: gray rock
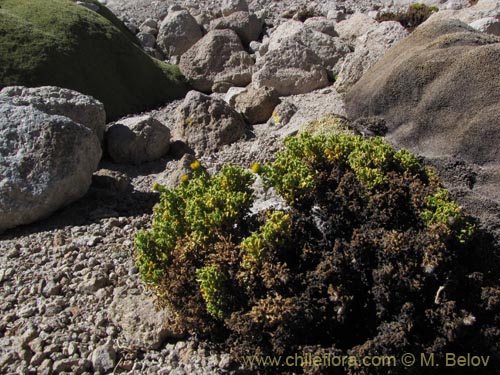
147 40
82 109
231 6
232 93
37 359
64 365
175 177
300 12
131 26
246 25
282 114
149 22
36 344
457 4
51 288
256 104
204 19
291 69
225 361
94 282
370 48
178 32
175 8
149 30
217 62
329 50
46 162
322 24
287 30
137 140
45 368
104 358
254 46
28 335
490 25
355 26
336 15
483 9
72 348
8 358
111 180
205 123
142 325
370 126
51 349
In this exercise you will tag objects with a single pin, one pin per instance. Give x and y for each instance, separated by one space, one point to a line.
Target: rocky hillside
100 100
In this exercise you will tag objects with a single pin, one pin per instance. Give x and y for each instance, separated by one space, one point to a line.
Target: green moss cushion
60 43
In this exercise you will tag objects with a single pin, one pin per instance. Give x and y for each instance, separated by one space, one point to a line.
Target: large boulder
438 92
217 62
82 109
178 32
291 69
205 123
246 25
287 30
46 162
61 43
329 50
137 140
355 26
370 47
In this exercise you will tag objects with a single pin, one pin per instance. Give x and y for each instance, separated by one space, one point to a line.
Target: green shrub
60 43
200 209
212 282
415 15
371 256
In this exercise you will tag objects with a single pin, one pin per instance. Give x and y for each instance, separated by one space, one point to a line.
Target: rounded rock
137 140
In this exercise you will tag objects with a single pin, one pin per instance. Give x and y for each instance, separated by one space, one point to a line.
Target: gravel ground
56 286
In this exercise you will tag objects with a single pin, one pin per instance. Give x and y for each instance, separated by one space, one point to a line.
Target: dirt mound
60 43
436 92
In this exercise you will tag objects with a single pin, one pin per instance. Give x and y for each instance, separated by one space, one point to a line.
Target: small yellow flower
195 165
276 118
188 121
184 178
156 186
255 167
